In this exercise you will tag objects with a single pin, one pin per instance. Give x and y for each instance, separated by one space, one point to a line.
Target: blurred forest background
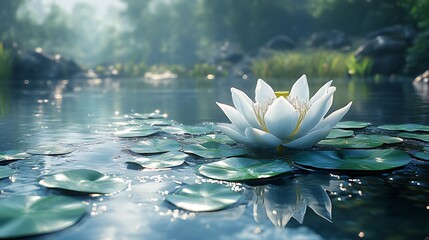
269 38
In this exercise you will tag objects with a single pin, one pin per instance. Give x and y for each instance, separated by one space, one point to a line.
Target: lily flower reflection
291 119
280 203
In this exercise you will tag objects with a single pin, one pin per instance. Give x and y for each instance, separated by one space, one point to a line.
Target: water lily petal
244 105
334 118
300 89
234 116
309 140
262 138
263 92
232 132
315 114
281 118
318 200
322 91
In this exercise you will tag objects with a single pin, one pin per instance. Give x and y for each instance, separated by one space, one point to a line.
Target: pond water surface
82 113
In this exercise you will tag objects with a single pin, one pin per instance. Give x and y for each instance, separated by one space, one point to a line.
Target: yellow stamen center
281 94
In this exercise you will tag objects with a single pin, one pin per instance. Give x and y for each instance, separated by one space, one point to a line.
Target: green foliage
358 67
292 63
5 63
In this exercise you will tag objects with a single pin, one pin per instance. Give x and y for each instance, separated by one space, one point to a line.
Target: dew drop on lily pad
25 216
353 159
214 150
5 172
204 197
421 137
153 146
408 127
84 181
51 150
352 125
241 169
165 160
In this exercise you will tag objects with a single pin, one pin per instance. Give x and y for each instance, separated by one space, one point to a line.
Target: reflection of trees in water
289 200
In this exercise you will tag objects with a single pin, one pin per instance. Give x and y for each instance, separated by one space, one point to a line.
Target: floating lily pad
140 131
5 172
421 137
154 115
158 122
155 146
421 155
214 150
165 160
204 197
360 141
409 127
220 138
191 130
13 155
353 160
240 169
352 125
339 133
84 181
51 150
24 216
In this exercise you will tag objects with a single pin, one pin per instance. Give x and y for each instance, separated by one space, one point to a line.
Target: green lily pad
339 133
409 127
25 216
421 137
84 181
420 155
154 115
214 150
165 160
12 155
51 150
352 125
204 197
152 146
191 130
360 141
240 169
140 131
5 172
220 138
353 160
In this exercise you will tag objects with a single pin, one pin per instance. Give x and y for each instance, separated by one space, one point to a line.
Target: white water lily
293 119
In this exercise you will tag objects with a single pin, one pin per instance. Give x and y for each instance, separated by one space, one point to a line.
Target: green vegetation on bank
319 63
5 63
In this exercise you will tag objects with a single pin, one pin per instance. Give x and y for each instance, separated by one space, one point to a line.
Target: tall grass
317 63
5 63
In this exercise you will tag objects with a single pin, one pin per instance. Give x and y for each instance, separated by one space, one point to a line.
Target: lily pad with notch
5 172
353 159
408 127
153 146
352 125
190 130
25 216
165 160
242 169
84 181
51 150
214 150
140 131
421 137
204 197
339 133
12 155
360 141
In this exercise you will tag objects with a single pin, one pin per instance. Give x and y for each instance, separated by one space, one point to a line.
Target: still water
388 205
